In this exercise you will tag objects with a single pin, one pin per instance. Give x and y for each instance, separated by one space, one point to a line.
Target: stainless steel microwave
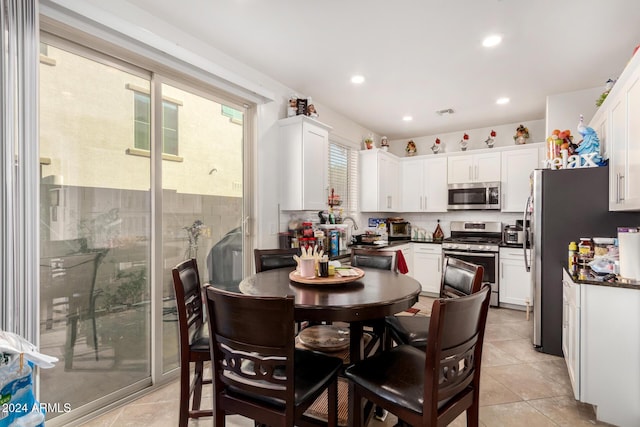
474 196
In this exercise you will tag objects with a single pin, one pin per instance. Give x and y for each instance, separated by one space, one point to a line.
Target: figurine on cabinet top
464 142
384 143
411 148
311 111
436 146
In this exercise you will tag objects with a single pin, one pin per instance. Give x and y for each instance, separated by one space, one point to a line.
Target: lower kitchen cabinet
407 253
515 280
427 266
601 345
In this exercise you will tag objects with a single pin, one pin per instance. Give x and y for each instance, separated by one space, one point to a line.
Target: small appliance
513 235
474 196
398 229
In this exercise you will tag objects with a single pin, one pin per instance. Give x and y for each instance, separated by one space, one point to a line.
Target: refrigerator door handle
525 241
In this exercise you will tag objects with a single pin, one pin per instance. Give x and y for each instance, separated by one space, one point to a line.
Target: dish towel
402 263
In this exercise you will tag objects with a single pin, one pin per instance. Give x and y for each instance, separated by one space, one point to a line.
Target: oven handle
478 254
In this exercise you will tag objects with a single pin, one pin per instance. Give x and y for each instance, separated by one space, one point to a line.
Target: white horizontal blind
343 175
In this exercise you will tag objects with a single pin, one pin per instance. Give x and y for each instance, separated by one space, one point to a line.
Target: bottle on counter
573 258
438 234
585 248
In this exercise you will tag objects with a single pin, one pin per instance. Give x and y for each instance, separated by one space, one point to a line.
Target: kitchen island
601 346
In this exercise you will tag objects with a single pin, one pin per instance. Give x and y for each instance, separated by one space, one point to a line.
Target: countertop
615 283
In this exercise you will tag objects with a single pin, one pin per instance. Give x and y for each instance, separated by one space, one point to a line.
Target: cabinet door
618 142
486 167
411 188
632 179
460 169
516 169
388 200
515 281
435 185
571 333
315 148
427 267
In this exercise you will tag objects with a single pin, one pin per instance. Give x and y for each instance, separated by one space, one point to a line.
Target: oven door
489 261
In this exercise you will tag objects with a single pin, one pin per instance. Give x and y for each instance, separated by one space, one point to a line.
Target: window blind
343 175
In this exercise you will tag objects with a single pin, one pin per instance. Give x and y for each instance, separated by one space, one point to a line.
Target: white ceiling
420 56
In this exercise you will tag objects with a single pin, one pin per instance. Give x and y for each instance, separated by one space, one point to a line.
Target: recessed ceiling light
407 118
492 41
357 79
502 101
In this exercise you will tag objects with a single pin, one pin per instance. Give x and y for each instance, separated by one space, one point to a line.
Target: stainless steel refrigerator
563 206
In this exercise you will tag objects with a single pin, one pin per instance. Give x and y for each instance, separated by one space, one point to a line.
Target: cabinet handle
621 188
477 174
420 202
425 203
470 173
502 270
439 262
617 187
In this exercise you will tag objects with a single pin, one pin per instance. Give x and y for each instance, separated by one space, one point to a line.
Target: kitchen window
343 175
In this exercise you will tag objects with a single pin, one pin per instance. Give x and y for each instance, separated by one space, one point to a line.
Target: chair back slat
188 290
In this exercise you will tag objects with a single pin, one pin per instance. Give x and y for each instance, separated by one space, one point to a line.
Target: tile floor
519 387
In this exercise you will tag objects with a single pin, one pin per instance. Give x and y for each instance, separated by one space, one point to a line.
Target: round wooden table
378 294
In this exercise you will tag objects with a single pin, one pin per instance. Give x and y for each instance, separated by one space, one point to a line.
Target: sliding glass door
137 174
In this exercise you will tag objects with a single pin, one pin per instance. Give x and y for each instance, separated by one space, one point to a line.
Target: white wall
564 109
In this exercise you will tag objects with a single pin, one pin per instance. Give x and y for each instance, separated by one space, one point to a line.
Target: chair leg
184 394
332 404
197 385
358 413
95 335
473 414
72 332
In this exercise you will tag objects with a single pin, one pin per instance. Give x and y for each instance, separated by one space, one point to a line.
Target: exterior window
343 175
142 129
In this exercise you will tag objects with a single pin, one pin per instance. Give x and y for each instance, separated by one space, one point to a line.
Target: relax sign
587 160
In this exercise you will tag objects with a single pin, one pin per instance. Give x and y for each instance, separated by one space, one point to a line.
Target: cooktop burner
471 239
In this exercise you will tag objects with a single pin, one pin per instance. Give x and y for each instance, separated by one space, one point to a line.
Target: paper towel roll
629 244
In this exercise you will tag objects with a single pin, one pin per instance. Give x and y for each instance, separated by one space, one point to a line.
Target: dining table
378 293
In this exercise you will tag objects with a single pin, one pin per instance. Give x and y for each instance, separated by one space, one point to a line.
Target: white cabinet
379 179
304 146
515 281
602 348
427 266
517 165
484 167
424 184
618 116
407 253
571 331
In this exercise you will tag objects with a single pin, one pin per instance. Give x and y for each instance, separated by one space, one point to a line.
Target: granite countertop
616 282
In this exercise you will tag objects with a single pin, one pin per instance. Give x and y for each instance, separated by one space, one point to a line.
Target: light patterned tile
518 414
530 380
494 393
523 350
566 411
493 356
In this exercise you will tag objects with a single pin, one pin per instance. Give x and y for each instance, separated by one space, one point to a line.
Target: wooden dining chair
257 371
459 278
268 259
372 258
430 388
194 340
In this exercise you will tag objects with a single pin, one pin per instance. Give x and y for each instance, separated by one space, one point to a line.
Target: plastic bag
18 405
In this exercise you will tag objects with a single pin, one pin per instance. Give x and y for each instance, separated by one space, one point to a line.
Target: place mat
318 409
294 276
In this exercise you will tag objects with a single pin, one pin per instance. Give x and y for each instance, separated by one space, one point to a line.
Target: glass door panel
202 176
95 210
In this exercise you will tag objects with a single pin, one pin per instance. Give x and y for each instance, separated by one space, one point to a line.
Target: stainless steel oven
474 196
477 243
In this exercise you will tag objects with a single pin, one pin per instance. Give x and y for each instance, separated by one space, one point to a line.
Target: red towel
402 263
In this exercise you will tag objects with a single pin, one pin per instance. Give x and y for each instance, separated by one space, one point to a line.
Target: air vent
445 111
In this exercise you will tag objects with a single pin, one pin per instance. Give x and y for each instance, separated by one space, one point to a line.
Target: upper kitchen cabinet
424 184
618 127
484 167
517 165
304 145
379 181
